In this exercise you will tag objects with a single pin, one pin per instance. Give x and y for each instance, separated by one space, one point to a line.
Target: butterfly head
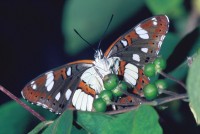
98 54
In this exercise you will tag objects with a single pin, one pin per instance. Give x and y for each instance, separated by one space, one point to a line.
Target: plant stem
121 104
152 103
170 98
174 79
12 96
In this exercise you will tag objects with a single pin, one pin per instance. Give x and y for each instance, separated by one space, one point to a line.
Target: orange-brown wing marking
122 65
86 88
82 61
141 82
131 36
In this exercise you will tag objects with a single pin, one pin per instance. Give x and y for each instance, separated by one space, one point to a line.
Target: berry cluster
114 88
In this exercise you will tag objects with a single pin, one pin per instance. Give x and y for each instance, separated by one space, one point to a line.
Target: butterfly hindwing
133 75
141 44
54 89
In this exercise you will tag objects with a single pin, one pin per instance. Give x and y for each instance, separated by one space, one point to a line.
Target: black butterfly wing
54 89
137 47
141 44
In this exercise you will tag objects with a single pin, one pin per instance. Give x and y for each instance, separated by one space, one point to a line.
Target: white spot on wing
128 78
84 102
155 23
90 77
124 42
144 36
57 96
34 86
141 32
132 67
39 104
44 106
131 73
49 74
68 94
69 71
22 94
75 96
32 82
159 44
145 50
162 37
167 18
89 103
154 19
50 86
49 79
79 101
136 57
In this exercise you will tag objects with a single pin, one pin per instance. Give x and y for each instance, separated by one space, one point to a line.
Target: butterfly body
78 83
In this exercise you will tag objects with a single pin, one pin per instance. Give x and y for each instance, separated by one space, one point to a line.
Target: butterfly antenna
89 44
105 31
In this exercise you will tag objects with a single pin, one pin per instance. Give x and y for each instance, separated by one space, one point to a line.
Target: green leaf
193 85
90 18
169 44
13 118
144 120
40 127
172 8
190 42
61 125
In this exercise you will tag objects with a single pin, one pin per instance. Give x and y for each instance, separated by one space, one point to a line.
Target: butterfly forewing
54 89
137 47
141 44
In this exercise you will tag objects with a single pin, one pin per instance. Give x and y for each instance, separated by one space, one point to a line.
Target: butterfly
78 83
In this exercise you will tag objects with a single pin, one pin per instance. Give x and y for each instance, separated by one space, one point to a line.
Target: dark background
32 42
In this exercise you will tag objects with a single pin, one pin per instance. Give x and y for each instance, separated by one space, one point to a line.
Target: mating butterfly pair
78 83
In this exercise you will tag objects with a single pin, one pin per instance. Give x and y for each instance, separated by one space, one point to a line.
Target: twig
122 110
152 103
163 91
12 96
173 79
170 98
171 93
122 104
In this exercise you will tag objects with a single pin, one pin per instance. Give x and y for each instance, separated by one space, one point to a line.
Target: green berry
99 105
149 70
110 81
160 64
150 91
106 95
161 84
121 86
